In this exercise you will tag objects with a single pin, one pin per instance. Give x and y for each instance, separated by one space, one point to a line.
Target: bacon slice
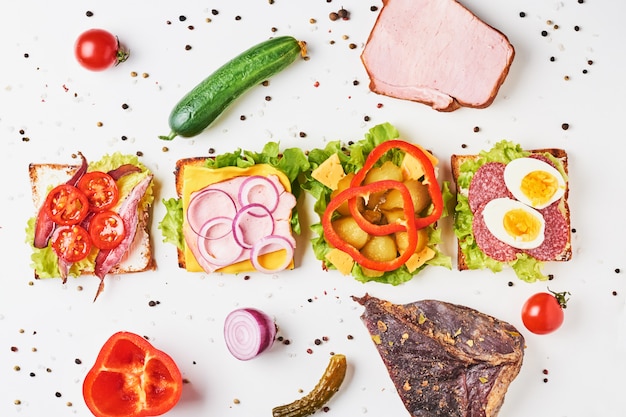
107 259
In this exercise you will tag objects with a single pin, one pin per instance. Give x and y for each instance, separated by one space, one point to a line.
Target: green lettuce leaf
352 158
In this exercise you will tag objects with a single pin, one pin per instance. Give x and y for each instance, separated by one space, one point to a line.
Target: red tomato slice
106 229
66 205
71 243
131 378
101 190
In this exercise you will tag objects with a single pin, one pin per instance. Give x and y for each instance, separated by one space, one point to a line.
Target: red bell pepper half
131 378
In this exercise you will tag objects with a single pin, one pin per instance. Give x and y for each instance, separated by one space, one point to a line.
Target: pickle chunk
327 386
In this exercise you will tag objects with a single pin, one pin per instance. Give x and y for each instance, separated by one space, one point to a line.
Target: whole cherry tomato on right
98 49
543 312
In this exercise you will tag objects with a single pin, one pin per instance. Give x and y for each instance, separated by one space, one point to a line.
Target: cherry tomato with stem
71 243
106 229
101 190
98 50
543 312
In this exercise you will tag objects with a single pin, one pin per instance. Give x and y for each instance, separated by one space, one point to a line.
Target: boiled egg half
534 182
514 223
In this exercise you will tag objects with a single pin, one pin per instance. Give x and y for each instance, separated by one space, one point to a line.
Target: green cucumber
206 101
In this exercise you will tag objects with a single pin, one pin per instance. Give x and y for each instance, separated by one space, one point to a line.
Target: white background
58 105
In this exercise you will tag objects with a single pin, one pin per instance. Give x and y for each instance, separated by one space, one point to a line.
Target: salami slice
488 243
487 184
556 234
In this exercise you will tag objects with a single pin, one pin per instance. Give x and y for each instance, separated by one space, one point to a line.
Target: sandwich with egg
512 209
236 212
91 218
379 202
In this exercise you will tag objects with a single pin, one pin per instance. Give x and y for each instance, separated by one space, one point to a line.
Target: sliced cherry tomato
101 190
131 378
71 243
543 312
106 229
98 49
66 205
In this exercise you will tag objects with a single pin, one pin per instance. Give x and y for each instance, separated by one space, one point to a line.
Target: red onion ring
245 191
248 212
263 243
204 202
232 251
248 332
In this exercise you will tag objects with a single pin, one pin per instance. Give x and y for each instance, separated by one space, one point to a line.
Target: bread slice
179 172
456 161
43 177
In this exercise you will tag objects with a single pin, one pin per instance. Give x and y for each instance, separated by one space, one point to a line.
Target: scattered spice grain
565 126
88 13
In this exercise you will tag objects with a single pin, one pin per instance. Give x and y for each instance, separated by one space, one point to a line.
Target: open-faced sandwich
91 218
512 209
379 201
236 212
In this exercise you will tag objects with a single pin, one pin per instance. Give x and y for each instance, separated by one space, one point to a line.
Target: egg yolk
539 187
521 225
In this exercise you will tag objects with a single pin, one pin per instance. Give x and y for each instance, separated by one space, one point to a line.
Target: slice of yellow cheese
419 258
197 177
412 168
330 172
341 260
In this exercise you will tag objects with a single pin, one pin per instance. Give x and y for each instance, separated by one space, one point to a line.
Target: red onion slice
268 244
248 332
258 189
251 223
218 251
210 202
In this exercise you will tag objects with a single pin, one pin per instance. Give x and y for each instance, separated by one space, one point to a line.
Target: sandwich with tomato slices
379 201
236 212
91 218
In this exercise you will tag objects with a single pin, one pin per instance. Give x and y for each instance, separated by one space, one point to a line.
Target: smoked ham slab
436 52
444 359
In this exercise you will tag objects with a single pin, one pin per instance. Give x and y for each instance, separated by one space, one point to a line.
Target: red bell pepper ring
131 378
429 177
351 194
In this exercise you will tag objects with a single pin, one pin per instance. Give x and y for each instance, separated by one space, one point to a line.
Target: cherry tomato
106 229
66 205
97 50
542 313
71 243
100 189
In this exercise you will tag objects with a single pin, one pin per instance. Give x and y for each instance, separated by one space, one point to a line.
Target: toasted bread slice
43 177
456 161
179 171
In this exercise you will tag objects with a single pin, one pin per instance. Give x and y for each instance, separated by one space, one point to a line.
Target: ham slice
436 52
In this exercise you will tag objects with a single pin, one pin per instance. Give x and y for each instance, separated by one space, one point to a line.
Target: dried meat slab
444 359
